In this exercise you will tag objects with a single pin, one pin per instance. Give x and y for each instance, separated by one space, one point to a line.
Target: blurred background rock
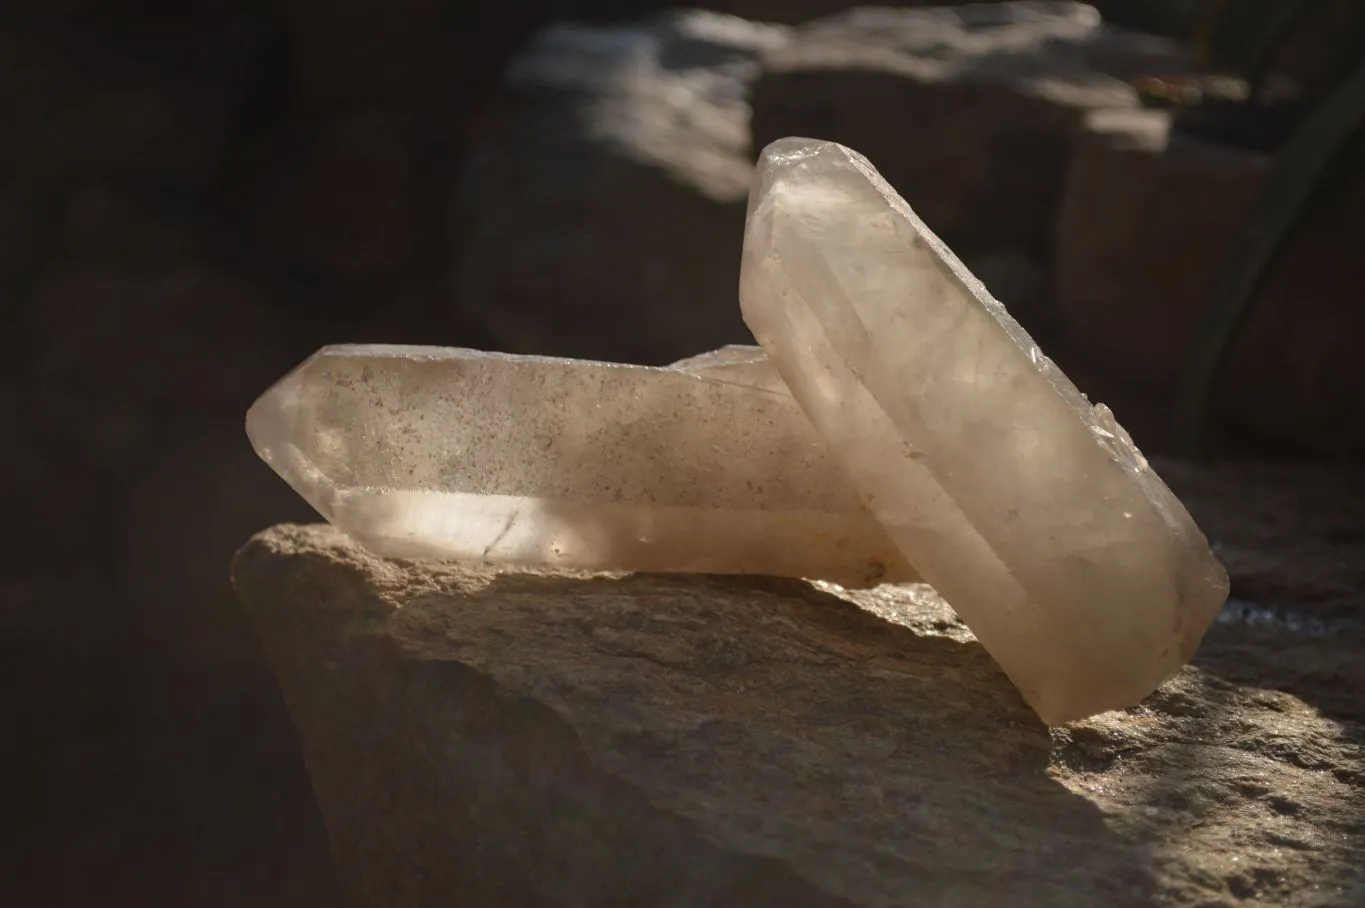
195 195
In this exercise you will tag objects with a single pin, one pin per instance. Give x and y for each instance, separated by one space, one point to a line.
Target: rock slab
1130 289
532 739
967 110
601 214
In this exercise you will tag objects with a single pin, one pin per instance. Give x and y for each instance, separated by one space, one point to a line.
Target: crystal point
1026 507
707 466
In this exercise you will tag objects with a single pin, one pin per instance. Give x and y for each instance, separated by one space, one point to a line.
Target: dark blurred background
195 195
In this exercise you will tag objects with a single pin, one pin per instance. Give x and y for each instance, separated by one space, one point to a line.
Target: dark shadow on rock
1325 671
517 739
1292 536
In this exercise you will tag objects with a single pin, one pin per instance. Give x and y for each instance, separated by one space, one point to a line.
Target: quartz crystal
894 415
706 466
1026 507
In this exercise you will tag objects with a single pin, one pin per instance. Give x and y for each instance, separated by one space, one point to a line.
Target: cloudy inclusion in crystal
1030 511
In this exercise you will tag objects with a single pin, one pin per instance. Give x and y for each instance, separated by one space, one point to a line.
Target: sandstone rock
529 739
966 110
1130 287
602 214
361 52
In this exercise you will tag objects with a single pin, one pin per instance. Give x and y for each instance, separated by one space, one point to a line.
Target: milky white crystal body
1026 507
709 466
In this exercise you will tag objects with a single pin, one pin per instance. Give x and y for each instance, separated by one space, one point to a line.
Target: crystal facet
1026 507
707 466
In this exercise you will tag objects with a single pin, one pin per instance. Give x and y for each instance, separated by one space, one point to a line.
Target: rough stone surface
602 213
1130 288
1024 503
530 739
967 109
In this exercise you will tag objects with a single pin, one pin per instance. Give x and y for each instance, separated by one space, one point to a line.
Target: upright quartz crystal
708 466
1026 507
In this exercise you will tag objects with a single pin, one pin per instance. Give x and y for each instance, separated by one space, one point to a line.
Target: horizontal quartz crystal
708 466
1026 507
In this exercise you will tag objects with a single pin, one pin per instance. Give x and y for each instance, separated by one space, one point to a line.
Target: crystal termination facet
708 466
1026 507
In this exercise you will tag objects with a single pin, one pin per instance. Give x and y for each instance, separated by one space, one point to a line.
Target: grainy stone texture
1130 288
531 739
602 213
